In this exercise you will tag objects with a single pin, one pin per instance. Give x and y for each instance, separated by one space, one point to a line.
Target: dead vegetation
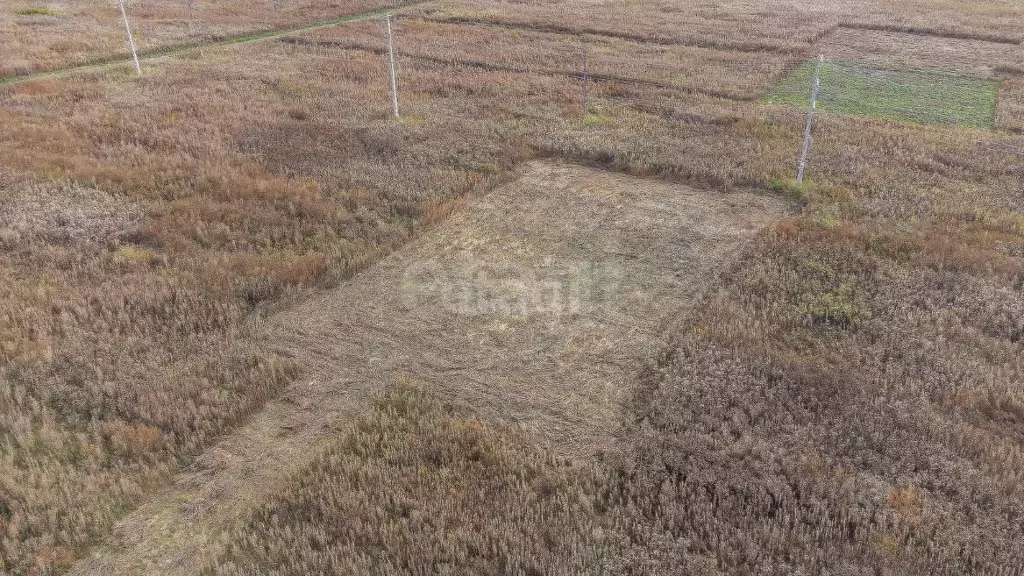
740 26
723 73
824 412
848 402
419 485
993 21
37 36
1010 114
902 51
64 214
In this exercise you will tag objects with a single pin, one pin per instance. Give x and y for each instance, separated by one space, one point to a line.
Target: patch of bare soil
918 52
536 304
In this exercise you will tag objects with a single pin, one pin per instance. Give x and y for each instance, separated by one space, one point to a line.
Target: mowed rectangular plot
913 96
903 51
773 26
538 303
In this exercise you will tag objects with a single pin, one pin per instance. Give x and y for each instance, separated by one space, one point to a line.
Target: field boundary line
217 41
922 31
752 48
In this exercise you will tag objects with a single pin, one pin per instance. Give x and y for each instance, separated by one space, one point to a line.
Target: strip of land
125 58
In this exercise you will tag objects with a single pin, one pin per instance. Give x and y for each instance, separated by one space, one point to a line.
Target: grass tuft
598 119
36 11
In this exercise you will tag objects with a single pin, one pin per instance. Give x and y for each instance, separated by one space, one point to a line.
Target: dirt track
537 303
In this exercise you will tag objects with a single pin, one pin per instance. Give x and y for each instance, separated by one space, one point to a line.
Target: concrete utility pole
391 58
810 118
131 41
585 102
193 26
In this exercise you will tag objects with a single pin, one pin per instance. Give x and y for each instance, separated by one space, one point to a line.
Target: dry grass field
725 73
47 34
535 304
841 396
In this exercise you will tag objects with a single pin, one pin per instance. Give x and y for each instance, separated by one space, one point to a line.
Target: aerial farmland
295 287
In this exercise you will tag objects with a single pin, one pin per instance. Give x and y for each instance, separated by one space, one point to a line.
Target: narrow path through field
536 303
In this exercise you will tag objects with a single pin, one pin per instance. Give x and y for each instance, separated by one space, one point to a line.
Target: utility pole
193 26
585 102
810 118
391 58
131 41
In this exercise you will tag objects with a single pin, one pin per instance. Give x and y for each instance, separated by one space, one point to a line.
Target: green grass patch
911 96
593 119
36 11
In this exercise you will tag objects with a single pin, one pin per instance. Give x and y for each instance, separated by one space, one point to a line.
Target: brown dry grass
46 35
144 329
772 26
995 20
534 305
421 485
846 404
897 50
1010 115
726 73
849 401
